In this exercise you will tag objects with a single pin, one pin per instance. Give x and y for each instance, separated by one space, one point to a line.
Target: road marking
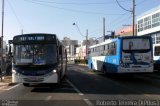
13 87
79 92
48 98
87 101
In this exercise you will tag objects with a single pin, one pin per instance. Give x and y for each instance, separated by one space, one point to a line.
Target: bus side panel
64 59
96 62
90 66
112 62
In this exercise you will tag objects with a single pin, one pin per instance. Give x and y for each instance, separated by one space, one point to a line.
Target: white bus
38 58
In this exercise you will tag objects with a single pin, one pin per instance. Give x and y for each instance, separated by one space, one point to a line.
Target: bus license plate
33 78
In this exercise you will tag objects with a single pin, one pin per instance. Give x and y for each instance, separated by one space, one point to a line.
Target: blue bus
38 58
122 55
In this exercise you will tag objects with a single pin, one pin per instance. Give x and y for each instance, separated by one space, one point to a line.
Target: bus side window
109 50
60 50
106 49
114 48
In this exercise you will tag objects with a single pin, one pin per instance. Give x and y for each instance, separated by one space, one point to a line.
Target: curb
82 64
7 81
7 84
4 84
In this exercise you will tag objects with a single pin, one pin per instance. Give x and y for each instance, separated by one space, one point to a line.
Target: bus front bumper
135 70
49 78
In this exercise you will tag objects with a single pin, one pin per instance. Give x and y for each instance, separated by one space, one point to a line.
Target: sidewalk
77 64
6 81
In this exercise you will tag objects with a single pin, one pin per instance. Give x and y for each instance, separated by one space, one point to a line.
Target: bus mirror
10 41
9 52
60 50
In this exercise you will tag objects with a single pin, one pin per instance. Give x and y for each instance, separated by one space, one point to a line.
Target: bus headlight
13 71
54 71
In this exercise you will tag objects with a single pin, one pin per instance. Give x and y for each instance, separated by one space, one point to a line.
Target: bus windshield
136 44
37 54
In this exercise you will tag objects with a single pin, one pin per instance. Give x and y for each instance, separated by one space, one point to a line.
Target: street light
83 36
78 29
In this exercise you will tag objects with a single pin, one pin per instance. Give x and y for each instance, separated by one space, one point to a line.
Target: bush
81 61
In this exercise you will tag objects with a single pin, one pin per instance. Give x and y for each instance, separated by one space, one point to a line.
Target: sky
58 16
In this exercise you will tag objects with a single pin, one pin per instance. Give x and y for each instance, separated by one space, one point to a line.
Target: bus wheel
58 84
104 70
26 84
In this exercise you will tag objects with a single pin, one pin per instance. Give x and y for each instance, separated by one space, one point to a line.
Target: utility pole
2 38
104 29
86 43
133 15
22 31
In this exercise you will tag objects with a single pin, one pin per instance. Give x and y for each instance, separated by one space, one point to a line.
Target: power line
122 7
114 21
76 3
119 17
15 14
72 10
120 21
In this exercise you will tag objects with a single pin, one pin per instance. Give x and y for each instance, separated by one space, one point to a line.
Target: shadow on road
98 83
64 87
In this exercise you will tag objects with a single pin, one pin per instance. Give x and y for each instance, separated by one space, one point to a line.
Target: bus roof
35 38
103 43
115 39
34 34
127 37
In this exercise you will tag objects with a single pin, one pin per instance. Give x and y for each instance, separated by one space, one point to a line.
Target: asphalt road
143 89
83 87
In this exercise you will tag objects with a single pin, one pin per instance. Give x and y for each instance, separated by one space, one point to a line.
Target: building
70 47
127 31
148 23
81 52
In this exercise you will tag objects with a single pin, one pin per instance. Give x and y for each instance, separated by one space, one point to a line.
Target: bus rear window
137 44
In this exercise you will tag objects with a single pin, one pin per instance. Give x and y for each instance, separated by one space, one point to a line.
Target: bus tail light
120 61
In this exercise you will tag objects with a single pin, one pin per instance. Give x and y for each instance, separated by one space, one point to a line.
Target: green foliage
81 61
